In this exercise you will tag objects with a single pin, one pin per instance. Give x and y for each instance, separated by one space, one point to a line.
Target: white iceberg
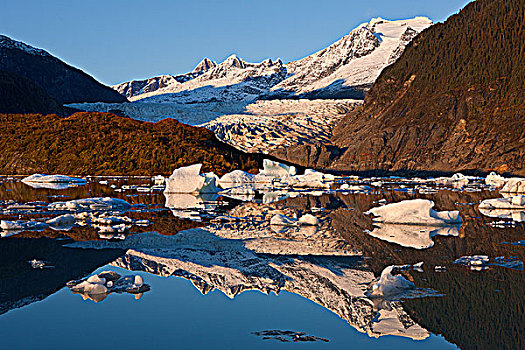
415 211
43 178
63 222
275 169
236 177
21 225
494 179
412 236
514 185
189 180
512 207
389 285
97 203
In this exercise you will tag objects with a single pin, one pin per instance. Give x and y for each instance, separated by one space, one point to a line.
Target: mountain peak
204 65
234 61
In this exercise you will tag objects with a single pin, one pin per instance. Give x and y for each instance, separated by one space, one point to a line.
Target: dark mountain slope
62 82
20 95
106 144
455 100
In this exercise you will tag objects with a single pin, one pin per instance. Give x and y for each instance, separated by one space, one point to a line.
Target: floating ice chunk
514 202
412 236
415 211
282 220
97 203
308 219
418 266
514 185
189 180
481 262
236 177
21 225
62 222
43 178
389 285
495 180
159 180
272 168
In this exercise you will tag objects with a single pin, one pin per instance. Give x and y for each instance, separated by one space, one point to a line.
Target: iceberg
389 285
514 185
62 223
88 204
21 225
507 207
43 178
494 179
415 211
189 180
236 177
275 169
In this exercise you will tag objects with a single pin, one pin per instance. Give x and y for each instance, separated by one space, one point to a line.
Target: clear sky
117 40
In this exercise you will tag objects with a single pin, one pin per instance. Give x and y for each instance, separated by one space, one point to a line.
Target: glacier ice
189 180
276 169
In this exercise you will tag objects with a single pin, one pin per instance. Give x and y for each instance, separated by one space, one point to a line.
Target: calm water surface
214 280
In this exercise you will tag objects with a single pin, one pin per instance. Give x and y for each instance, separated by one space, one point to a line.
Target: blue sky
122 40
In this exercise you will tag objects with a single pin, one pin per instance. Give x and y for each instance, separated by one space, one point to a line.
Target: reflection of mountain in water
211 262
21 285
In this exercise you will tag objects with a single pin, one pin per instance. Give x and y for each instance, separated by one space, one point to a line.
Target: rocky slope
453 101
21 95
103 143
345 69
57 79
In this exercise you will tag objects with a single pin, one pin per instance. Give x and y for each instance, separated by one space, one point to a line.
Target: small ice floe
159 180
412 236
439 268
482 262
355 188
189 180
283 220
275 169
520 243
103 182
395 287
514 185
98 286
418 266
21 225
62 223
38 264
502 223
91 204
512 207
457 180
288 336
415 211
43 178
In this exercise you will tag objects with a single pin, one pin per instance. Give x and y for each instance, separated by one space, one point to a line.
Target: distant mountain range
56 79
345 69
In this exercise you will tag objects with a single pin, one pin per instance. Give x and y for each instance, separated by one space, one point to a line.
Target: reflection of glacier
210 262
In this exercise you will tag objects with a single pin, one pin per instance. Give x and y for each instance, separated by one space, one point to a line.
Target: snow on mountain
7 42
344 69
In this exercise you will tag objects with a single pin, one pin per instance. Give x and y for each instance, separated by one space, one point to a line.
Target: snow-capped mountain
344 69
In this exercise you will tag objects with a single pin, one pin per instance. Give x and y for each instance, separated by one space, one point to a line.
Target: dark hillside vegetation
106 144
454 101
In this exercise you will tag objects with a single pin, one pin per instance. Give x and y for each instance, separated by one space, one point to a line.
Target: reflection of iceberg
413 236
210 262
515 215
190 206
415 211
98 203
53 185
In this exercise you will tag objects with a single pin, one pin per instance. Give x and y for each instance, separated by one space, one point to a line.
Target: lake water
219 276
